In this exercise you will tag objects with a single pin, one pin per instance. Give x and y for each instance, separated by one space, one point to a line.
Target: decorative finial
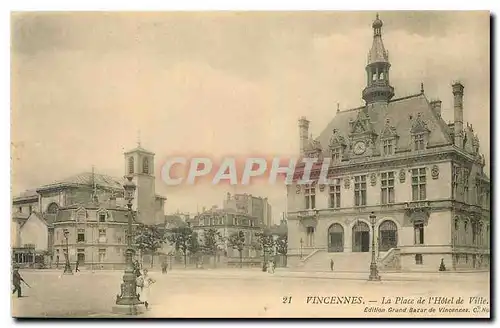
422 87
377 16
138 138
338 107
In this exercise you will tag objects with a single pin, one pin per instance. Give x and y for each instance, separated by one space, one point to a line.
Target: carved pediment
389 131
313 148
358 127
418 212
361 128
308 218
419 125
336 140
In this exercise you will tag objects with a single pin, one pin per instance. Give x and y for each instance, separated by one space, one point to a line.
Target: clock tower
362 136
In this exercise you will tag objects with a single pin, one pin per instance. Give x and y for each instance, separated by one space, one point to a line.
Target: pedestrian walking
273 266
76 266
270 267
164 267
57 262
16 281
146 281
331 264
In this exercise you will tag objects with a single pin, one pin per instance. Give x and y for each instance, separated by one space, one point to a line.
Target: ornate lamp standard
127 302
301 242
373 265
67 266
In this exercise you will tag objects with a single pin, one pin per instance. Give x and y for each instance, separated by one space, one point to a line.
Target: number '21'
287 299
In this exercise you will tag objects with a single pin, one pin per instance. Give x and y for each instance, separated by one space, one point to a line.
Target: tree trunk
241 259
152 259
215 260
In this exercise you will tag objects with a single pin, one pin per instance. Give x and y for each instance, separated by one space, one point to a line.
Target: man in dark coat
137 268
16 281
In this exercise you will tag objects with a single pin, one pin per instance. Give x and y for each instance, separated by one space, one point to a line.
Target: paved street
242 293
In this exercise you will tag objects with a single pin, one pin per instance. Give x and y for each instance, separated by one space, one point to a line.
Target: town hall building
422 178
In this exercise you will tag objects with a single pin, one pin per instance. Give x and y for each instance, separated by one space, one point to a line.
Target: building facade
90 208
250 205
228 222
422 177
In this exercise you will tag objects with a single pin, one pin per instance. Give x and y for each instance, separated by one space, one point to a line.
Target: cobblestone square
235 293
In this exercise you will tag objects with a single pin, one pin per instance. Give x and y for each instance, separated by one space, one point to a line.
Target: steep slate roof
87 179
401 113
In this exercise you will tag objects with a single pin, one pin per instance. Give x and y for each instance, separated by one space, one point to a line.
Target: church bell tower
139 163
378 88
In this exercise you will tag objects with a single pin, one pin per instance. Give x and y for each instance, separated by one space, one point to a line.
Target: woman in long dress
145 289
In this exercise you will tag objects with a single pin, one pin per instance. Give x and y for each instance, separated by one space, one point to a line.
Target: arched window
145 165
130 165
456 233
52 208
466 233
388 235
335 238
360 237
474 232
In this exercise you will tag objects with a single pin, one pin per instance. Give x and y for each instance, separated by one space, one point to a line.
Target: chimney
436 107
303 133
458 97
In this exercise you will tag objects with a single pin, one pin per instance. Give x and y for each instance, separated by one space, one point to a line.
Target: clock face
359 147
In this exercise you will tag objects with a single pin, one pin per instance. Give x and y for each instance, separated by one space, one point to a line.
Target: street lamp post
374 276
67 266
301 242
128 301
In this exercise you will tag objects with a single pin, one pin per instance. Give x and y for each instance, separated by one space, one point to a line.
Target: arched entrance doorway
388 235
361 237
335 238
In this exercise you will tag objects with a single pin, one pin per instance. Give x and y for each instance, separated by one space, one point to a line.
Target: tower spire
138 138
378 88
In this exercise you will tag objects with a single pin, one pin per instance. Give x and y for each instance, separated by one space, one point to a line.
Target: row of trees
149 239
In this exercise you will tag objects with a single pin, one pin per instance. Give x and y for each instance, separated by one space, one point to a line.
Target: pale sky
197 84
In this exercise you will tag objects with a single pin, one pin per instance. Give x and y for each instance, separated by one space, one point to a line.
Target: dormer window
419 141
337 144
420 133
388 139
336 155
388 146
